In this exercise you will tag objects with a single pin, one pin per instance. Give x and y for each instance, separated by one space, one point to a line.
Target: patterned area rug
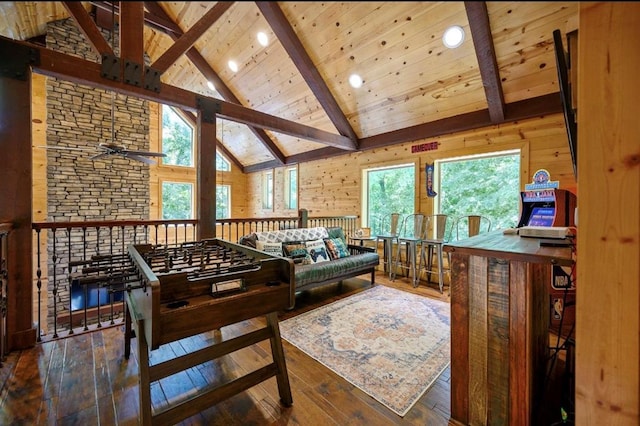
391 344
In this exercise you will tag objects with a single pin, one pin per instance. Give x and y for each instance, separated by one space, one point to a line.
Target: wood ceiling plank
186 41
304 64
203 66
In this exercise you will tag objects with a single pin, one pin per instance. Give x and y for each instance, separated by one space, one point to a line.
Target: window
267 190
388 190
222 164
291 188
488 185
177 200
223 201
177 138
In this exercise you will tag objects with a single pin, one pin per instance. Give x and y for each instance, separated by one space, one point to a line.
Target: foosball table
196 287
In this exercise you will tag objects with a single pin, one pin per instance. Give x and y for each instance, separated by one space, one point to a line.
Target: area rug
391 344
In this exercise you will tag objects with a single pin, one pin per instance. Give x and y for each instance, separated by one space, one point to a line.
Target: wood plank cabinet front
499 327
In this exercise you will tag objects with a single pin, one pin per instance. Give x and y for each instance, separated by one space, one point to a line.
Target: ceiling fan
112 148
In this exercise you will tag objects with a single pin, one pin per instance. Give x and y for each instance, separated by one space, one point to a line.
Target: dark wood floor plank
77 386
93 366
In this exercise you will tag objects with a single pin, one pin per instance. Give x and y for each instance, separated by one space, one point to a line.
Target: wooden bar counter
499 327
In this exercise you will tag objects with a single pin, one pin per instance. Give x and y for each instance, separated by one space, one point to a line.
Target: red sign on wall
429 146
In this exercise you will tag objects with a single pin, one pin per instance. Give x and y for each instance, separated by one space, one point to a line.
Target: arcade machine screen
542 216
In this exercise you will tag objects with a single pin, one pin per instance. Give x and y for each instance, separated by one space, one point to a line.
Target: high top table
500 318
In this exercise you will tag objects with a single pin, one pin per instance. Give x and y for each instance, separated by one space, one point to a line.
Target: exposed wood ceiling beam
194 120
150 20
522 110
483 42
132 41
88 27
203 66
70 68
291 43
186 41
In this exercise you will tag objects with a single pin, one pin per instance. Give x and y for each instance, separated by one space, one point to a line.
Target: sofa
321 255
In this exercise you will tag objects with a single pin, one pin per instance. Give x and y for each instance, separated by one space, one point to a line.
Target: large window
487 185
223 201
222 164
291 188
177 200
388 190
267 190
177 138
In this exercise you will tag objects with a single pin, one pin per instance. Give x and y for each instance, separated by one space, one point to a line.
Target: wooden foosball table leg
145 380
127 332
277 352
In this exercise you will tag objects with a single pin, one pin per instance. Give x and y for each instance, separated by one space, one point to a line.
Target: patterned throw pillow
294 249
336 248
317 251
271 248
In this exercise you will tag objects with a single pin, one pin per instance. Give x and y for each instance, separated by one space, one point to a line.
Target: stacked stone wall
80 188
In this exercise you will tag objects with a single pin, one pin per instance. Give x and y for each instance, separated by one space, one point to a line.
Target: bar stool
437 234
409 237
388 239
471 225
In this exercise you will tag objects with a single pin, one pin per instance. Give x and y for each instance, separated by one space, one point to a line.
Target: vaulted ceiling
297 102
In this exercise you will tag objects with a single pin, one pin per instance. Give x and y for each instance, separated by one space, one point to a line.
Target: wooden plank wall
608 287
332 186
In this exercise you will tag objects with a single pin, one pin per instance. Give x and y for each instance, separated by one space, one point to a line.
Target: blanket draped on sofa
356 260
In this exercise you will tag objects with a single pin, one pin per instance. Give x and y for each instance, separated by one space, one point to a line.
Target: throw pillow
336 248
271 248
317 251
294 249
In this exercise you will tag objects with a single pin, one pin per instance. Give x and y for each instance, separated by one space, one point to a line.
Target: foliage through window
291 188
177 200
222 165
267 190
388 190
487 185
223 201
177 138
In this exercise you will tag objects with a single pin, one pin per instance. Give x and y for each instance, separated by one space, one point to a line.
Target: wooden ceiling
414 87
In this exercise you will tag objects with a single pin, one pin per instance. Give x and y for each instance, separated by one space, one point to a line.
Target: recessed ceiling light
263 39
233 66
453 36
355 81
211 86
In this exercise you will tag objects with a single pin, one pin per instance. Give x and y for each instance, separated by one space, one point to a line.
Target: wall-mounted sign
429 146
541 180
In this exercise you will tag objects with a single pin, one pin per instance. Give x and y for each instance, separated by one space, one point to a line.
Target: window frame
228 197
180 115
365 219
437 175
267 190
288 190
162 193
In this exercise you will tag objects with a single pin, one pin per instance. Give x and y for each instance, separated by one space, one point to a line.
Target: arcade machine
544 205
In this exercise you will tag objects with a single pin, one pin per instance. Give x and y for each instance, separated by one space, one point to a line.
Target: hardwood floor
85 379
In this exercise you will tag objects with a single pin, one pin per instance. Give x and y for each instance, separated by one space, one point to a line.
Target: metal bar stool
471 225
437 234
388 239
409 237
